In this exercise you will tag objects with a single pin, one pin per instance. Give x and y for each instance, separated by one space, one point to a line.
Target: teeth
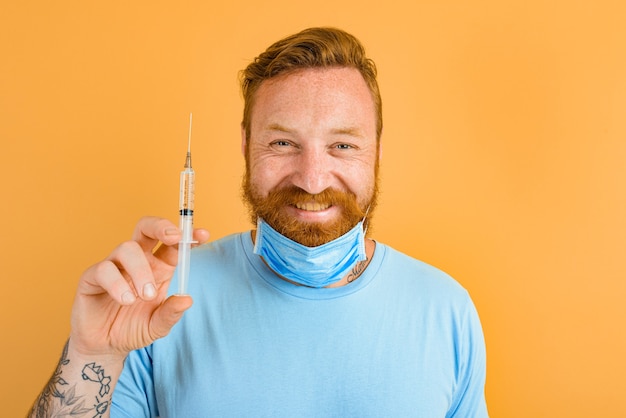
312 206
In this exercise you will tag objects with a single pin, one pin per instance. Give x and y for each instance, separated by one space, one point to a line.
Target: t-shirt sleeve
469 395
134 395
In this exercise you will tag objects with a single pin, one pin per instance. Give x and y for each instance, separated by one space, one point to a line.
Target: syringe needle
189 140
188 158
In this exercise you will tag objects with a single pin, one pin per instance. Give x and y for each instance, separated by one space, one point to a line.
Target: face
312 153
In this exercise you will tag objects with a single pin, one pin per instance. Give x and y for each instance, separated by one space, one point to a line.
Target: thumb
168 314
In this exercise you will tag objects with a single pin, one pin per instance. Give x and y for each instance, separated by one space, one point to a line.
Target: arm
121 305
469 399
78 387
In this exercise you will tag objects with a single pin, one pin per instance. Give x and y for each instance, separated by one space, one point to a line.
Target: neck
360 267
355 272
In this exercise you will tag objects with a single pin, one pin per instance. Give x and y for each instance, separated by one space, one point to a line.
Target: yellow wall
505 146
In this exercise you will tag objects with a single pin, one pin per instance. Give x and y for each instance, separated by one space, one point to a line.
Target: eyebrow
355 132
279 128
349 131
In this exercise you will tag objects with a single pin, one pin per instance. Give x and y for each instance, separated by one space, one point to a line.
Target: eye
343 146
283 146
280 143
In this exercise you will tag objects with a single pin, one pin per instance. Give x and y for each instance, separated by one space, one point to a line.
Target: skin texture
121 304
314 129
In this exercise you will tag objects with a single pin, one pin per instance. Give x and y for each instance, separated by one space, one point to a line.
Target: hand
121 303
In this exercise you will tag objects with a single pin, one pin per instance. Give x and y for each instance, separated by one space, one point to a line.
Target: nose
313 171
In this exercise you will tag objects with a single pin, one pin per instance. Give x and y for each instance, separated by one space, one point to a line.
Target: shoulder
409 271
214 263
221 246
220 252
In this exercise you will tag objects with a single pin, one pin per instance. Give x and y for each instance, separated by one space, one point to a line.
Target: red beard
310 234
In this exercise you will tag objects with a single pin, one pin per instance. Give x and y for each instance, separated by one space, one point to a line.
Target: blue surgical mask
310 266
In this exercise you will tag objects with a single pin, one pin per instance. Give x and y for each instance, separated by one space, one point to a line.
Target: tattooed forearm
59 397
94 373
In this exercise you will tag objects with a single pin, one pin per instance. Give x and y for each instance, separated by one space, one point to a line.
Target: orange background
504 154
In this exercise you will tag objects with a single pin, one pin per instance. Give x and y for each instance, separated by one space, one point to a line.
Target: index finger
151 229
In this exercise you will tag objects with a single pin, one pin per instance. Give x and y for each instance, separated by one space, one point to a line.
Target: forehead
314 95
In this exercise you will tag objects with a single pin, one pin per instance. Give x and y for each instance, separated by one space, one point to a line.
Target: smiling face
312 154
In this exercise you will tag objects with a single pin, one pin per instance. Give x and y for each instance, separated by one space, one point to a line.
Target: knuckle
146 220
103 268
118 287
161 223
128 247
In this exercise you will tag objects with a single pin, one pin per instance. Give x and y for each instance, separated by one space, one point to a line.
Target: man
302 317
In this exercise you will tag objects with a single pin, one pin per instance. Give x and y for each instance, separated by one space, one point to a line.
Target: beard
271 209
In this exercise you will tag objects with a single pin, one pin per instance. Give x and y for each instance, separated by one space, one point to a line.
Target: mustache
294 196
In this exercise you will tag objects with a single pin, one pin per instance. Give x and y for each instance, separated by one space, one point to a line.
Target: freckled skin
315 129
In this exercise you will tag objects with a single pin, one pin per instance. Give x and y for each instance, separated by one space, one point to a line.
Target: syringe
187 182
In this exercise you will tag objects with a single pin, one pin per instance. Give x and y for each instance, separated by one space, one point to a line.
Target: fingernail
171 231
128 298
149 291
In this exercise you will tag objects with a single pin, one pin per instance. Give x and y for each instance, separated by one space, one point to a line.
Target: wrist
82 383
81 354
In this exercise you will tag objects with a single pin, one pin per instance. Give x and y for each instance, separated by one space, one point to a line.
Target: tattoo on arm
59 398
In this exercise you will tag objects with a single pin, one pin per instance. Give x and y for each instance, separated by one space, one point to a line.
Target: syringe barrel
187 183
184 252
184 260
187 180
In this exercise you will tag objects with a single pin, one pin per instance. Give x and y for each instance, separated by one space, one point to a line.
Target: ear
244 142
380 148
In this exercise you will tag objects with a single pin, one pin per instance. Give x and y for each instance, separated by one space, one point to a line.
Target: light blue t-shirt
403 340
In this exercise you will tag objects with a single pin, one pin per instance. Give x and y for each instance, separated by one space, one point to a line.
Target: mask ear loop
258 234
365 218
